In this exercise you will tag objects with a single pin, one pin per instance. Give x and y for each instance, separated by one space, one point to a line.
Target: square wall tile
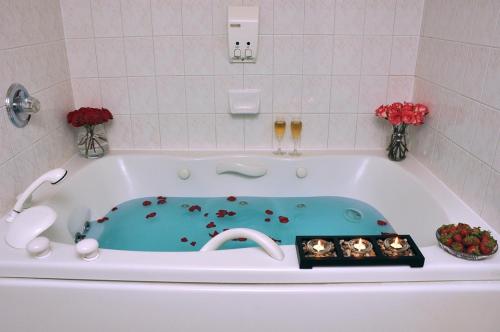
171 94
265 57
349 17
345 94
376 55
400 88
81 57
140 56
142 92
174 131
316 94
371 132
200 94
136 18
201 128
222 66
77 18
289 17
342 131
146 131
166 17
379 17
319 17
314 131
491 96
288 52
478 176
372 93
86 92
487 133
318 53
110 57
8 193
114 92
107 18
287 94
198 55
475 66
169 55
196 18
219 14
347 52
230 131
259 132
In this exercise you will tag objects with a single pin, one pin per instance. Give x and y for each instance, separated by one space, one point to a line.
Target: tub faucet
54 177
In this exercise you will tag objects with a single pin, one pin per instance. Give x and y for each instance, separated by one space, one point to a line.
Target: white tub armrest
269 246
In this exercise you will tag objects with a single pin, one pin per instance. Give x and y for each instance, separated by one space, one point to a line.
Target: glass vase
398 147
92 141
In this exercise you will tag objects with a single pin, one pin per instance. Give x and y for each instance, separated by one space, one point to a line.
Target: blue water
176 223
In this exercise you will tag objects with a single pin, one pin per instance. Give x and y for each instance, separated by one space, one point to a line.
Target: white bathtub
221 288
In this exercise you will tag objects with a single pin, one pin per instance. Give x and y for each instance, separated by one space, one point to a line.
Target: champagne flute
296 126
279 132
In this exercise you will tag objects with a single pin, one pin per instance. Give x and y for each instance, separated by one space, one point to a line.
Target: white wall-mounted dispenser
242 33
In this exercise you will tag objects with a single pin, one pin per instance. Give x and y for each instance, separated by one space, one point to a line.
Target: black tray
417 260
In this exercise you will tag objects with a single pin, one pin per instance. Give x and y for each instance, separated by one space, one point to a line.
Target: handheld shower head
53 176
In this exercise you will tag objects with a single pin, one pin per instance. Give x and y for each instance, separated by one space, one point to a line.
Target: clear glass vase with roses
401 115
91 136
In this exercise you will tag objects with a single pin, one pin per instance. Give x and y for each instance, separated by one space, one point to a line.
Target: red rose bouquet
400 115
91 140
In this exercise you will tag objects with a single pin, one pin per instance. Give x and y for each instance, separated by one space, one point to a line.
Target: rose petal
184 239
114 209
267 219
231 213
283 220
103 219
231 198
211 225
193 243
381 222
269 212
193 208
146 203
151 215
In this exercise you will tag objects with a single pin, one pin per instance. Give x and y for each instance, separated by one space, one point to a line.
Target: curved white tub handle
269 246
239 168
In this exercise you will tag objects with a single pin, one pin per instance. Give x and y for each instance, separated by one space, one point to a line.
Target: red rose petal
161 202
184 239
161 198
267 219
231 198
381 222
193 243
151 215
146 203
283 220
242 239
276 240
211 224
269 212
103 219
221 213
193 208
231 213
206 214
215 233
114 209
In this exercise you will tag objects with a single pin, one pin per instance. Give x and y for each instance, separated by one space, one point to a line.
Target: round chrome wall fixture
20 105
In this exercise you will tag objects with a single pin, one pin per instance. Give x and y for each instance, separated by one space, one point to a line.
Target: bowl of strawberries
466 242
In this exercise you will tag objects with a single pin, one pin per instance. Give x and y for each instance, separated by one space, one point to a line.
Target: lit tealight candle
319 247
395 244
359 246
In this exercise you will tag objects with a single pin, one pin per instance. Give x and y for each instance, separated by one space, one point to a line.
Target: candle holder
357 250
319 248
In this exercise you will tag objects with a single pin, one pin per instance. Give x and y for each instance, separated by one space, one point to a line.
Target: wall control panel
242 34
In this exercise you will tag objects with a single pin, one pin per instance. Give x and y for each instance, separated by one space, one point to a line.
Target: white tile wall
458 75
316 58
34 55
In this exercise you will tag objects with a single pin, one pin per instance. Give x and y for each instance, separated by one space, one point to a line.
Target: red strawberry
103 219
146 203
151 215
470 240
211 224
269 212
485 250
283 220
485 236
193 208
473 250
114 209
457 246
231 198
464 232
267 219
381 222
215 233
457 238
231 213
193 243
446 240
184 239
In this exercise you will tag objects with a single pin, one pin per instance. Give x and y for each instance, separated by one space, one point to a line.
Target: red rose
88 116
381 112
394 116
407 114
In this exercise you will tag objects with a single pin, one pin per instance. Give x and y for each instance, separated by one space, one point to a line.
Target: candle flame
396 241
359 241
